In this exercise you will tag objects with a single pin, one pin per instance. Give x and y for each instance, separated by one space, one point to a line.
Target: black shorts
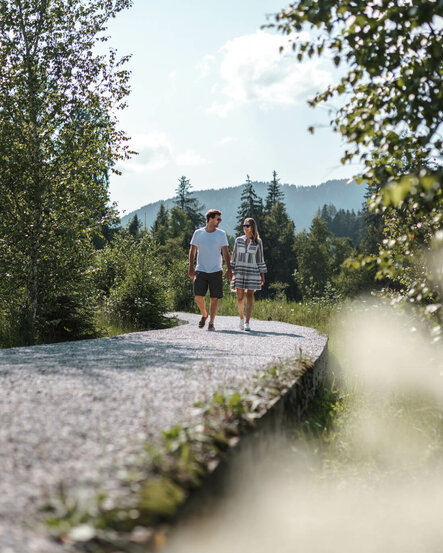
212 280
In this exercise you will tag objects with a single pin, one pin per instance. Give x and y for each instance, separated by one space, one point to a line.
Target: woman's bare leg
249 304
240 302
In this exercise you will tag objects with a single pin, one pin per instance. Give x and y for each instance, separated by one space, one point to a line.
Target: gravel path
75 412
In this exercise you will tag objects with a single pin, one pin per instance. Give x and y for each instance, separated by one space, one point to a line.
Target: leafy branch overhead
393 85
390 116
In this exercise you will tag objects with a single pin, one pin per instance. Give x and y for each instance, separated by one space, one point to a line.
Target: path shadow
259 332
97 358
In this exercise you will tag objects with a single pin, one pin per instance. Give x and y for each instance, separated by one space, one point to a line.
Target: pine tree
314 259
275 193
327 213
160 227
251 206
181 227
134 226
278 245
187 203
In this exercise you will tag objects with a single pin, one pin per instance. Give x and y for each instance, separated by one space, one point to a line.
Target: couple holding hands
246 270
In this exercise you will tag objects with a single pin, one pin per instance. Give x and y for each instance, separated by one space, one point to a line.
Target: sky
213 99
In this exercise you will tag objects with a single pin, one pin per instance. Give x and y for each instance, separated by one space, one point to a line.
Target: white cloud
189 158
253 70
227 140
205 66
154 152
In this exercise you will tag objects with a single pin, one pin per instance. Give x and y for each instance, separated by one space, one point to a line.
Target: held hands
229 274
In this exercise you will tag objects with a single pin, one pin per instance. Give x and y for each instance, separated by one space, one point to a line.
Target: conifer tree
160 227
187 203
275 193
314 260
251 206
134 226
278 245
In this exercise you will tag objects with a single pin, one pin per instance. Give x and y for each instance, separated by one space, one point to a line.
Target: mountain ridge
302 202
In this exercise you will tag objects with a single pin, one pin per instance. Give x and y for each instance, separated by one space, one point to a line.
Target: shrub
180 286
137 284
14 323
69 316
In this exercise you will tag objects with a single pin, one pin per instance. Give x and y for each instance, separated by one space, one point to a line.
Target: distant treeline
302 202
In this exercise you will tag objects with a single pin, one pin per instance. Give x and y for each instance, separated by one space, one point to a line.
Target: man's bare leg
213 309
249 304
200 301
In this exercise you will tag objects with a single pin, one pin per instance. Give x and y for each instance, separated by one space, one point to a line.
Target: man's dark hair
212 213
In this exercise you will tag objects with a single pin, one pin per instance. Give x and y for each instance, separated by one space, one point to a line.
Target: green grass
354 433
315 314
108 327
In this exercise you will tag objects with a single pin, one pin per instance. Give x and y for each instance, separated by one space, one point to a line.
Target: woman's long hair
255 235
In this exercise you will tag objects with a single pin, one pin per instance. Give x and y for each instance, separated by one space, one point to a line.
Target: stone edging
134 515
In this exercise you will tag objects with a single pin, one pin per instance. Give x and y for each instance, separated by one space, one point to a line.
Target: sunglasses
247 226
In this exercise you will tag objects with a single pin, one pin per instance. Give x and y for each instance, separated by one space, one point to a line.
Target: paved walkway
77 411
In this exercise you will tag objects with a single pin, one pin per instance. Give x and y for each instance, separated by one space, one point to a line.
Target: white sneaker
242 324
247 327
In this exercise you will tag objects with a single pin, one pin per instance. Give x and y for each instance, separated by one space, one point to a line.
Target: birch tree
59 139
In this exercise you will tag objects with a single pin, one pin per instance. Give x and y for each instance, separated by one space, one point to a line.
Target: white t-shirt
209 244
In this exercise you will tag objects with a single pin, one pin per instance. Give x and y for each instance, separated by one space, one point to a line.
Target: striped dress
247 263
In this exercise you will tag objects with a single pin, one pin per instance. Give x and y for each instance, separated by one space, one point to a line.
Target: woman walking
248 267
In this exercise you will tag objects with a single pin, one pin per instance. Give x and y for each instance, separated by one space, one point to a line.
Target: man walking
211 243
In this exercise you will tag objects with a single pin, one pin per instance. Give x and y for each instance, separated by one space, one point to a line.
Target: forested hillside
302 202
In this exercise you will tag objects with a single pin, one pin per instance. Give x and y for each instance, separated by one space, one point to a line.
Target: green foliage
181 229
313 259
394 54
322 414
15 329
321 270
68 317
344 223
180 286
391 119
131 281
173 231
161 498
163 253
58 140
